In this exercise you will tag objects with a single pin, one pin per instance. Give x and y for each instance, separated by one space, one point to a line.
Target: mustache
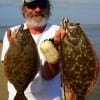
38 14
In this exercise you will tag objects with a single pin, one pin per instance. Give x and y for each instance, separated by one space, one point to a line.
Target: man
46 84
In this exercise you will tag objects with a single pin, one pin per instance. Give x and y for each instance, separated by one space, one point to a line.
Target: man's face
36 17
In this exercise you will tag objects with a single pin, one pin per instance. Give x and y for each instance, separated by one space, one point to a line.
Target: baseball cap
34 3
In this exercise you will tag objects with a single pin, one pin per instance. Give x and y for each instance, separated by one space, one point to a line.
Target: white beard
36 24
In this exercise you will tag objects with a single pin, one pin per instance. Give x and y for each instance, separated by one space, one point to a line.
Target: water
93 32
2 31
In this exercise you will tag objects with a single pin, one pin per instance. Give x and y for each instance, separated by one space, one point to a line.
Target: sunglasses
41 4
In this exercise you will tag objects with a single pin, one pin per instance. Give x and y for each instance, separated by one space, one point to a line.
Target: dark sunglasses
41 4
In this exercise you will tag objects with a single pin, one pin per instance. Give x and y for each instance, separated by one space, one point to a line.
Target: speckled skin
21 61
79 63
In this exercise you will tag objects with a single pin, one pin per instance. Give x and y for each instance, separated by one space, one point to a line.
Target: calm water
93 32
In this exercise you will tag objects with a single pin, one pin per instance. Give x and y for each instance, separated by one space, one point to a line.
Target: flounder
79 62
21 62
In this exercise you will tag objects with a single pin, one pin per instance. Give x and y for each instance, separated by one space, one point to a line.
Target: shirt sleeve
4 46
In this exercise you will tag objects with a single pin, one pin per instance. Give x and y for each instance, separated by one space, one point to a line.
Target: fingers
9 34
59 35
63 32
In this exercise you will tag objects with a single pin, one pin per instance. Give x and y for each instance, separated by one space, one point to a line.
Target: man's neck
38 30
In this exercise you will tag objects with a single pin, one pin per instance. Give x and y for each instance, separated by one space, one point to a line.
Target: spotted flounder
79 62
21 61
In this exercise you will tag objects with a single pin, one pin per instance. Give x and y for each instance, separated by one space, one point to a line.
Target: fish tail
20 97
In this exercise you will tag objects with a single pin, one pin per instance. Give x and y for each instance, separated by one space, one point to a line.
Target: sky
82 11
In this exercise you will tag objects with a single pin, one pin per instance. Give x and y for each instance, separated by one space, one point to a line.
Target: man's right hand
11 35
